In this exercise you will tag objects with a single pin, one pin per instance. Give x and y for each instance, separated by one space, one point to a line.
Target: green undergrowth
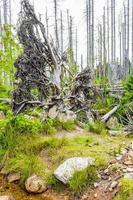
96 127
22 140
125 189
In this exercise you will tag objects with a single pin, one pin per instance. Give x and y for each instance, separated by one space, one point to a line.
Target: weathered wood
109 114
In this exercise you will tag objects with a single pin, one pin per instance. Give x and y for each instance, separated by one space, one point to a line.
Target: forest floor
104 148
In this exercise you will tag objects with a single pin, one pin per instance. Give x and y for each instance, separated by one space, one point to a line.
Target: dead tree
108 30
56 24
36 70
47 23
104 44
87 32
61 27
32 65
76 46
132 33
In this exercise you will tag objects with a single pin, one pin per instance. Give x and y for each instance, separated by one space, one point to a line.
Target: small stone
6 198
13 177
113 184
129 162
129 169
95 185
95 195
106 171
119 158
124 170
110 189
35 184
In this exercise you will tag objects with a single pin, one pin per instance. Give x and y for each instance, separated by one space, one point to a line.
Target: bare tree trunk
47 23
76 45
128 29
93 33
112 33
5 10
87 32
104 44
132 33
71 33
62 44
56 24
81 62
108 31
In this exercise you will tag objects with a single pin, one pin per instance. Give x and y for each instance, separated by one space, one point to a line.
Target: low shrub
96 127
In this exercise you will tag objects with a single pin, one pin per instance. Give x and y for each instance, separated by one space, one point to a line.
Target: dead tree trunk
76 46
47 23
87 32
62 42
56 24
132 34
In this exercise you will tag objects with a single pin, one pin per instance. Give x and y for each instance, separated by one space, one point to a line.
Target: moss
125 189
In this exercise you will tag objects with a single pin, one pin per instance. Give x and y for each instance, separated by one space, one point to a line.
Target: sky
77 10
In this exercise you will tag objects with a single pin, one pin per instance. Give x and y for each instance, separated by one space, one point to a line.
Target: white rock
53 112
96 185
6 198
35 184
129 169
113 184
119 158
66 170
113 123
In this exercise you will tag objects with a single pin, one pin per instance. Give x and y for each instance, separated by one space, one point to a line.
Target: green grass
84 178
22 143
125 189
96 127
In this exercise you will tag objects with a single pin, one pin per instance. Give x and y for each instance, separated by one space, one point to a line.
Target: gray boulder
66 170
113 123
35 184
53 112
68 115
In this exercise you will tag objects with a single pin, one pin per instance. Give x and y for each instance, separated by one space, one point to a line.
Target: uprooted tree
40 69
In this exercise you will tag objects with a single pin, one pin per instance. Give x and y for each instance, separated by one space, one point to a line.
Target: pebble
119 158
113 184
129 169
95 185
106 171
95 195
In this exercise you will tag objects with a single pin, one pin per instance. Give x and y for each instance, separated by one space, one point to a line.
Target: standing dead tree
36 70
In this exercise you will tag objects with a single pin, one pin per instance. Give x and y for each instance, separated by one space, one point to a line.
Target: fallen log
7 101
106 117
